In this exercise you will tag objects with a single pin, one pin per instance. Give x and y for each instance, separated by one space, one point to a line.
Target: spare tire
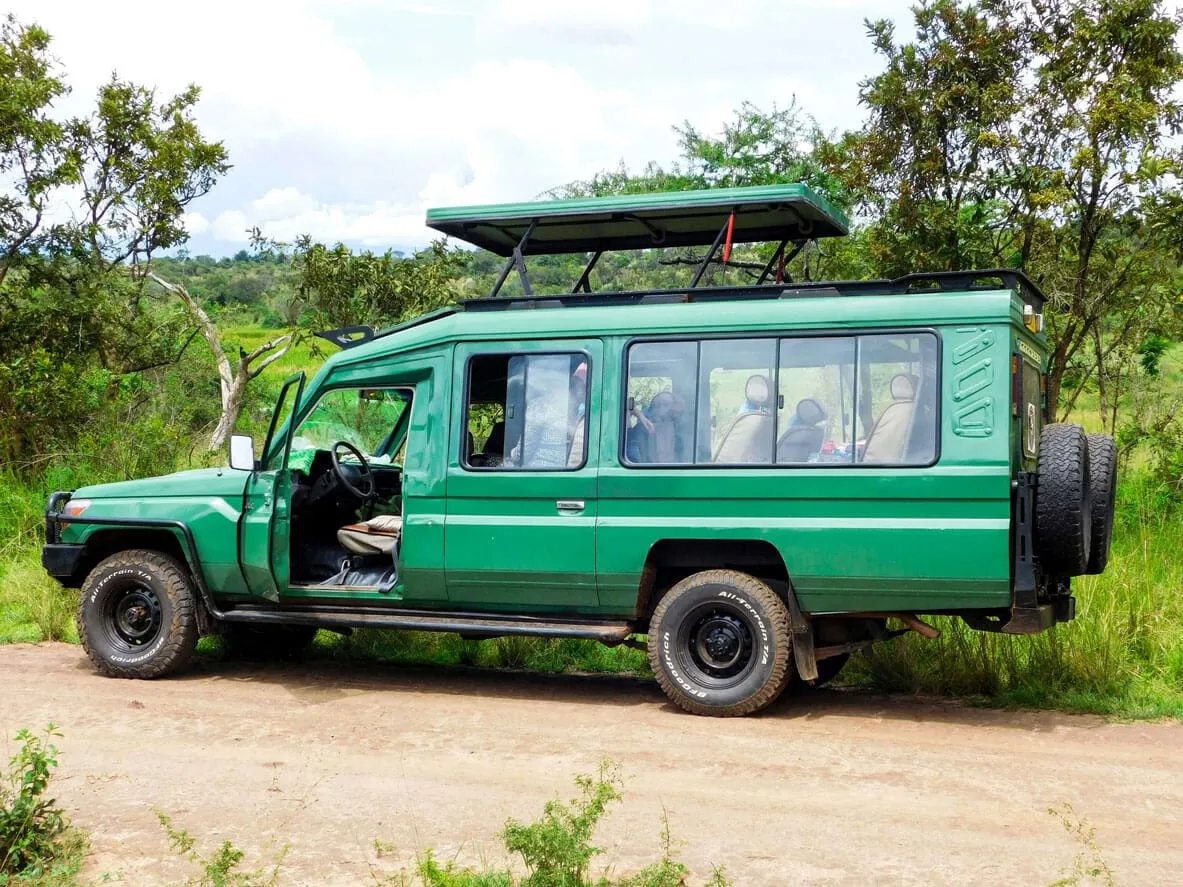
1063 512
1103 486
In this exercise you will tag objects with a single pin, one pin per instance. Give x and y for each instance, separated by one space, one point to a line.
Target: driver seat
378 535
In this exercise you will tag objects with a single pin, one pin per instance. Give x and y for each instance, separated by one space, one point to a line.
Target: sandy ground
832 788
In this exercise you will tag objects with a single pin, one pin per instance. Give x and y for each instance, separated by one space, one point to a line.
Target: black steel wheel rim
716 645
133 617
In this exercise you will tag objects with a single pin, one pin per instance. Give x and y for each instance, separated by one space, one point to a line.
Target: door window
526 412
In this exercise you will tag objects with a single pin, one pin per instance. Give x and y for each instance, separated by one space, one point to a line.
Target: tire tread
778 615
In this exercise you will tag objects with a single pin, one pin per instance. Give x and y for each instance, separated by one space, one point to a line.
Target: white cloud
195 223
350 118
231 226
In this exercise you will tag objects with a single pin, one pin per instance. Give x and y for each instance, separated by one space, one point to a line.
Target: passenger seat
749 437
889 436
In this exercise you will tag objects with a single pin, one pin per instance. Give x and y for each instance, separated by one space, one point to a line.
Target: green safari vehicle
762 477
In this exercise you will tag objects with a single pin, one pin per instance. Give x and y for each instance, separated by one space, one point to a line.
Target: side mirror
242 452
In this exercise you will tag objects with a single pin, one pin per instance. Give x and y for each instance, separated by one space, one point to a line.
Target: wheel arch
106 541
671 560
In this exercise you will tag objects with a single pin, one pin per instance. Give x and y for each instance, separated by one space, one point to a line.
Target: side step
482 625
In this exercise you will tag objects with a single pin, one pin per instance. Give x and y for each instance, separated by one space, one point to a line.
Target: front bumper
62 560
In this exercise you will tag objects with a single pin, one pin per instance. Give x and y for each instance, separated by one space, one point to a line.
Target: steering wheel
365 474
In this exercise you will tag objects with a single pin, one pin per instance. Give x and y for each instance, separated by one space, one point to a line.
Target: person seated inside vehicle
653 434
888 439
749 436
802 439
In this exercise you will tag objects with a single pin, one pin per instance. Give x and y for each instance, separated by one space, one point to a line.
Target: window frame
462 458
778 336
388 440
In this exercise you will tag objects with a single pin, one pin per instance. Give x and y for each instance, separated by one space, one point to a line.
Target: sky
346 120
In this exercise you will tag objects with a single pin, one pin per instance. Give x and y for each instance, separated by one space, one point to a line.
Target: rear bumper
60 560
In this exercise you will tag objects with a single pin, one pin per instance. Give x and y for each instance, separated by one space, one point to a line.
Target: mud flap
802 632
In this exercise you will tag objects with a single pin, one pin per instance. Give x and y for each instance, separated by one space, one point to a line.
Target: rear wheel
719 644
1103 486
137 615
1063 505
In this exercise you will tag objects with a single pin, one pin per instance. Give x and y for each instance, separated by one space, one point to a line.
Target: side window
526 412
897 403
662 403
738 393
794 401
815 415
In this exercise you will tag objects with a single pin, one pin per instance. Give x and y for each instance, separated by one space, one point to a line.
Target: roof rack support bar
772 262
798 245
584 282
706 260
515 260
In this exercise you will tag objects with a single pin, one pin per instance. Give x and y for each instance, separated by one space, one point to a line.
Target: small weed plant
37 844
1089 866
222 867
557 849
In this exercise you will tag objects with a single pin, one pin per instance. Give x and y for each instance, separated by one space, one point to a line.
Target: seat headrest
902 387
809 411
756 390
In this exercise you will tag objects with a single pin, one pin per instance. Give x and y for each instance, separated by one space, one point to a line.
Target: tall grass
1122 655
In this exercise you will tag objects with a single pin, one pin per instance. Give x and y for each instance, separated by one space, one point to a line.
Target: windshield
364 417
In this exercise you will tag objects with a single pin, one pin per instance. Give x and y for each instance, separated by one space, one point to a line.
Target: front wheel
719 644
137 615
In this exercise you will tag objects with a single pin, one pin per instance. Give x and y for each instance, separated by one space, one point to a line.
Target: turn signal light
75 507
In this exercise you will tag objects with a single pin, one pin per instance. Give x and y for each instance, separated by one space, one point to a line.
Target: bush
36 841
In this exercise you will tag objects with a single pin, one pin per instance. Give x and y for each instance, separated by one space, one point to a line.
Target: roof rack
921 282
716 216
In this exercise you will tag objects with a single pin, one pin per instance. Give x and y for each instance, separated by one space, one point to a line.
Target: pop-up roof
643 221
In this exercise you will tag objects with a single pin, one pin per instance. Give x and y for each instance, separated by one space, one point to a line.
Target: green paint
853 537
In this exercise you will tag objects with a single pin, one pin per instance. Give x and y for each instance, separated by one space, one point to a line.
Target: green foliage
341 288
75 319
1036 136
36 841
557 849
222 867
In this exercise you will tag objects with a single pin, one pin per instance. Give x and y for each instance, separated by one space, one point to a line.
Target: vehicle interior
346 501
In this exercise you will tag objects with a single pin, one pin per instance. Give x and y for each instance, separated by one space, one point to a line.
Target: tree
232 381
73 323
340 288
1034 135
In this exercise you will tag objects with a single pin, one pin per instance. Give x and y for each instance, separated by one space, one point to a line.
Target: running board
480 625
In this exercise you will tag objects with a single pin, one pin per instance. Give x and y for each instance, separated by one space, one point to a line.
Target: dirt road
835 788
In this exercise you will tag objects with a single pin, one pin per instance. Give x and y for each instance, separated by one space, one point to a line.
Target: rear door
522 498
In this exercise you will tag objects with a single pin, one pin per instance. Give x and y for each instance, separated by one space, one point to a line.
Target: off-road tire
1063 508
138 580
755 617
252 642
1103 485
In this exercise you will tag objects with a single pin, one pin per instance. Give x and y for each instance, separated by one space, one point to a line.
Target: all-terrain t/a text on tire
137 615
719 644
